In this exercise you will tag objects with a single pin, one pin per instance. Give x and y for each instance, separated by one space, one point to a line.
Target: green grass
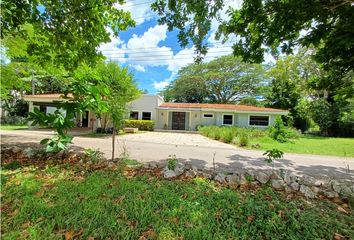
47 203
306 144
343 147
13 127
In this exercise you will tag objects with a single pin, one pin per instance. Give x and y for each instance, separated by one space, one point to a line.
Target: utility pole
33 86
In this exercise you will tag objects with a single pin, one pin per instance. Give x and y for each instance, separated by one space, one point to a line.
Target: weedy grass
52 203
12 127
307 144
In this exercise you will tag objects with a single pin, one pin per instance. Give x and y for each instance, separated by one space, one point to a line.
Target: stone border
310 187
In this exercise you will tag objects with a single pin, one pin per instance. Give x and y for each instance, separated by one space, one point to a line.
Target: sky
152 52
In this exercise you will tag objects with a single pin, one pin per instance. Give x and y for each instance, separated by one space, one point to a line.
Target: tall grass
235 135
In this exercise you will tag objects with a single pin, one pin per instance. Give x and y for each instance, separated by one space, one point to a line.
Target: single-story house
170 115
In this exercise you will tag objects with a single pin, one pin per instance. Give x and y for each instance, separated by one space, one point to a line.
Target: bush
144 125
281 133
244 139
14 120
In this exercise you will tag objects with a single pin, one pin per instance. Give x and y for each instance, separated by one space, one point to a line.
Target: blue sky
153 53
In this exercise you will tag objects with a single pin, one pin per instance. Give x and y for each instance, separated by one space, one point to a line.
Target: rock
15 149
233 180
262 177
310 181
316 190
206 174
220 177
330 194
191 173
278 184
294 186
290 177
342 188
110 164
169 174
307 191
29 152
275 175
188 166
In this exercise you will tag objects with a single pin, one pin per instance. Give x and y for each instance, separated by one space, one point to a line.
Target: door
85 119
178 120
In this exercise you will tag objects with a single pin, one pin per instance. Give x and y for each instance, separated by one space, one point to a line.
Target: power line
159 47
159 59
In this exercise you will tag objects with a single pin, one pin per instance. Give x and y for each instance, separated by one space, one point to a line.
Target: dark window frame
143 118
259 120
208 115
232 119
133 114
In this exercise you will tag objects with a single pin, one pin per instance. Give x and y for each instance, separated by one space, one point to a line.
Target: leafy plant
244 139
60 122
57 143
172 162
94 155
272 155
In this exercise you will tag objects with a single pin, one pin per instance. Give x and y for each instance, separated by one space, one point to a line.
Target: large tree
66 32
223 80
271 25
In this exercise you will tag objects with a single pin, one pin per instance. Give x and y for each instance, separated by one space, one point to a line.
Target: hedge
145 125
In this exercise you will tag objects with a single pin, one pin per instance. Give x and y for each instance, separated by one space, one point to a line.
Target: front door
85 119
178 120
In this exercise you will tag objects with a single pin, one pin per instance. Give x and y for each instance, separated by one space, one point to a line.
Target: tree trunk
113 142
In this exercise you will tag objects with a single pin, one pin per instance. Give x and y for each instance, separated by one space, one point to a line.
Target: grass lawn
343 147
13 127
54 202
308 144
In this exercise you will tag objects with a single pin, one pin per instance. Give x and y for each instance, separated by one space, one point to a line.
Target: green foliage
144 204
12 165
64 33
244 139
57 143
94 155
60 122
224 80
172 162
13 120
281 133
272 155
268 27
144 125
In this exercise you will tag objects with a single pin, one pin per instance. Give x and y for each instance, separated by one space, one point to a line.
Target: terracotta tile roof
219 106
51 95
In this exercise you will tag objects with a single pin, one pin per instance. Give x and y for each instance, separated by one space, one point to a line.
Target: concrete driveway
199 150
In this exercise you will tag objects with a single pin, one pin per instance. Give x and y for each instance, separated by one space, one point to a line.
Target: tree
66 32
223 80
123 90
289 88
269 26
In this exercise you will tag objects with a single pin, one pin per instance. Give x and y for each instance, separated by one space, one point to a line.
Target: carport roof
228 107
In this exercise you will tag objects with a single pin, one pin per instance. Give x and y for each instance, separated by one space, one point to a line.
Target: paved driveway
157 146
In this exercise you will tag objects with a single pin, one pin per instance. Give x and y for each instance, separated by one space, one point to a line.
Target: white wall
146 103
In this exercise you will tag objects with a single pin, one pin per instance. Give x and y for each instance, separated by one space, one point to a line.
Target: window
259 121
227 120
146 116
208 115
134 115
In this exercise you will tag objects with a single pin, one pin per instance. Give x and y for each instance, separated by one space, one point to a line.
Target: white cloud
160 85
164 83
138 67
139 9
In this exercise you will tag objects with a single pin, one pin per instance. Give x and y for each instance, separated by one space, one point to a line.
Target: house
170 115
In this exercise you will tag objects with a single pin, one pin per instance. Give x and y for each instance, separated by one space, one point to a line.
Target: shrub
227 134
14 120
94 155
145 125
244 139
